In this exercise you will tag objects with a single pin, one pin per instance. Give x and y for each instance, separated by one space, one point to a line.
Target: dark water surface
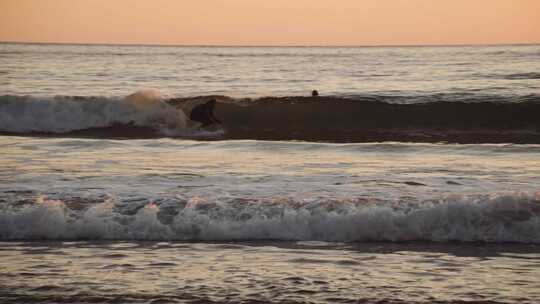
282 272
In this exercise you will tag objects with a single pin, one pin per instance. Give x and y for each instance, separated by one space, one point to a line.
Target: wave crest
146 114
489 218
62 114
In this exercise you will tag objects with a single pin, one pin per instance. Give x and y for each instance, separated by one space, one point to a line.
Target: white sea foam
146 108
496 218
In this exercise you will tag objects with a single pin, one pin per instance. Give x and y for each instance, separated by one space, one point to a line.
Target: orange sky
271 22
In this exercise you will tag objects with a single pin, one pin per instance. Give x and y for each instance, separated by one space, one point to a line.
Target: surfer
204 113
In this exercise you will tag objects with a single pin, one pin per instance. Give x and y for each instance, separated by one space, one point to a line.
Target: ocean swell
457 118
486 218
433 118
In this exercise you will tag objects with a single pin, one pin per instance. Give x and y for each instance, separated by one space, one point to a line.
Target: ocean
412 178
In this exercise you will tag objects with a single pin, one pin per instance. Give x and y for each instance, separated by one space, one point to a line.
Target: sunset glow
278 22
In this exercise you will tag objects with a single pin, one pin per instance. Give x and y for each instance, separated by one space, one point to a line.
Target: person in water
204 113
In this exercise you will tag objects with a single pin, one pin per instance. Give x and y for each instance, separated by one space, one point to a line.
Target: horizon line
275 45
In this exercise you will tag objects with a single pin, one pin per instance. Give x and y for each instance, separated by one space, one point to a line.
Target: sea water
182 219
406 73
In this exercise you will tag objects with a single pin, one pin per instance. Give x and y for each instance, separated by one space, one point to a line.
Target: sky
271 22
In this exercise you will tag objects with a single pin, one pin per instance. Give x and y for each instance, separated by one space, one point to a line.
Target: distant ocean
412 178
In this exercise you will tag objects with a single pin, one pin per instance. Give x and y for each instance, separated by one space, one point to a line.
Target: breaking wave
460 118
143 111
487 218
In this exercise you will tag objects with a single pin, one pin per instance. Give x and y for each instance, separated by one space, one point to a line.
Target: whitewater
412 178
180 220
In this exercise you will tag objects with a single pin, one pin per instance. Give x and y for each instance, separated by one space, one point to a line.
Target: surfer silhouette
204 113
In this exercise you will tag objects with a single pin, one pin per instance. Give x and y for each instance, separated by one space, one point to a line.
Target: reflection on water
238 191
101 70
152 168
72 189
304 272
